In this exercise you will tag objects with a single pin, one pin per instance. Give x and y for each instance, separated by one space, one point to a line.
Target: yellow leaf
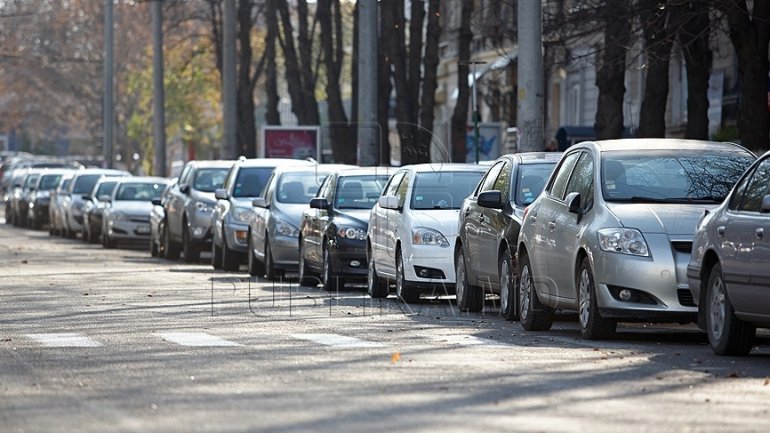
395 357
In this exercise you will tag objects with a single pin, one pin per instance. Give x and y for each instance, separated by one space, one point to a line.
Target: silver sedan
611 234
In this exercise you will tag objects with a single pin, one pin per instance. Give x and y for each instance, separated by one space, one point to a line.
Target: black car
40 197
489 225
332 240
93 208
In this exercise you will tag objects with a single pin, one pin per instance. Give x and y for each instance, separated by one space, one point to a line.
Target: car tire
306 278
592 325
375 286
508 305
329 278
469 298
153 247
727 334
534 316
172 250
109 242
403 291
231 260
216 255
256 268
191 252
271 271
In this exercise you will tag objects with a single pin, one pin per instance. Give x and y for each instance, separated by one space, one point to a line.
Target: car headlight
203 207
623 241
351 233
118 216
426 236
242 214
286 229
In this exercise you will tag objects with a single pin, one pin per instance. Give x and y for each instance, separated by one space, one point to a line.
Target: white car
413 227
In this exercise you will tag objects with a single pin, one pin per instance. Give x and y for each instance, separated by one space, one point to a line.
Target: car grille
685 297
682 246
139 219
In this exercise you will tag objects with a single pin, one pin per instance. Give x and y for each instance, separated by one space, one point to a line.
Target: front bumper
438 261
349 261
200 227
128 229
236 235
285 250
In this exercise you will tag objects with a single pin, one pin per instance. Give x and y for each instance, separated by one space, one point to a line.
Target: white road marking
64 340
196 339
467 340
336 340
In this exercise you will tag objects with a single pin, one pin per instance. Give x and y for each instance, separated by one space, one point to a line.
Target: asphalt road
95 340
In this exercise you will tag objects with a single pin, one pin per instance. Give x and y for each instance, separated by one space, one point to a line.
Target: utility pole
108 113
530 72
229 78
368 151
158 100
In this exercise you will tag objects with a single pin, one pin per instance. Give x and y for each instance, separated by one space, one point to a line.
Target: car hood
443 220
205 197
671 219
132 207
358 216
290 213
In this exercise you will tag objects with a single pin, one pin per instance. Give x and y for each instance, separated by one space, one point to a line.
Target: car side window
488 183
392 186
503 181
752 201
559 184
582 180
229 178
402 190
740 190
184 178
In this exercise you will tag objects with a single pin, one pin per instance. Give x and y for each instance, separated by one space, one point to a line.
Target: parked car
729 272
611 235
93 208
127 215
332 242
490 220
56 205
413 227
273 233
233 211
189 206
40 197
158 222
82 183
22 194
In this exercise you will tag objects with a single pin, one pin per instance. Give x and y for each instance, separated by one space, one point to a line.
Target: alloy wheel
717 310
584 307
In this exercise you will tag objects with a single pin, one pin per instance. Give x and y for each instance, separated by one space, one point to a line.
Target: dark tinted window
359 192
488 183
740 190
251 181
31 180
582 180
565 169
752 201
443 189
85 183
671 176
135 191
209 179
105 188
49 181
530 183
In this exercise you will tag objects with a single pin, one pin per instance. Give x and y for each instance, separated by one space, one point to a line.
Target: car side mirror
156 202
104 198
765 204
388 202
319 203
491 199
184 189
259 202
573 203
220 194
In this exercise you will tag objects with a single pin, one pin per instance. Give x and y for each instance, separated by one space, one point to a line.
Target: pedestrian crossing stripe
196 339
335 340
66 339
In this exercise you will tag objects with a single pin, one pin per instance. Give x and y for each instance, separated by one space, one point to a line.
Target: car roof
444 166
661 144
325 168
535 157
214 163
272 162
61 171
367 171
144 179
101 171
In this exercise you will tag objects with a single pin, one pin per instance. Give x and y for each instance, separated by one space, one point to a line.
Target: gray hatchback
611 235
729 272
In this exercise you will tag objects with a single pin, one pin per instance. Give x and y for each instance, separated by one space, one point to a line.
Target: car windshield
359 192
299 187
65 184
676 176
251 181
85 183
105 188
443 189
139 191
31 180
531 181
49 181
209 179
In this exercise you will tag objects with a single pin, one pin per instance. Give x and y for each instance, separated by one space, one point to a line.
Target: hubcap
301 260
525 289
400 277
460 278
584 308
717 309
370 275
504 285
327 277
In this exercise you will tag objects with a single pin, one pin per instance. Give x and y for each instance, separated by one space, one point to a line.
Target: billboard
293 142
490 135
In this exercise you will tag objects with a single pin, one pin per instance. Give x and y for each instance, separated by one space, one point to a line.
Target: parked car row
633 230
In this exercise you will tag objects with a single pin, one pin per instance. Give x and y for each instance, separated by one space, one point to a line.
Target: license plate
143 230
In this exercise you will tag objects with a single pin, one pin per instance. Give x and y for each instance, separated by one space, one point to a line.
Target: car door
176 204
379 220
545 222
492 224
561 261
315 224
473 216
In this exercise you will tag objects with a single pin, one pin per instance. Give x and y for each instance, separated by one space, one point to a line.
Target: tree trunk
384 90
750 34
658 39
429 83
247 132
292 67
272 116
459 131
694 39
305 43
610 75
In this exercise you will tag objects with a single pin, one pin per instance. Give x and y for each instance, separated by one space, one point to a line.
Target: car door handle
551 225
721 230
759 233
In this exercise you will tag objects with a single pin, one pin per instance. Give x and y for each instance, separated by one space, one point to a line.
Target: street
96 340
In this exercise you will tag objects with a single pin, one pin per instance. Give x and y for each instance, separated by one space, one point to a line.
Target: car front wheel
330 281
592 325
306 278
727 334
403 291
469 298
508 306
375 286
534 315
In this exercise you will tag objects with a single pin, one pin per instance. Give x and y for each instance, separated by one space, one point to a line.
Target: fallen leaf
733 375
24 262
395 357
767 381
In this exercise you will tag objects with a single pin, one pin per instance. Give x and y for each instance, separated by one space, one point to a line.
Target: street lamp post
476 113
